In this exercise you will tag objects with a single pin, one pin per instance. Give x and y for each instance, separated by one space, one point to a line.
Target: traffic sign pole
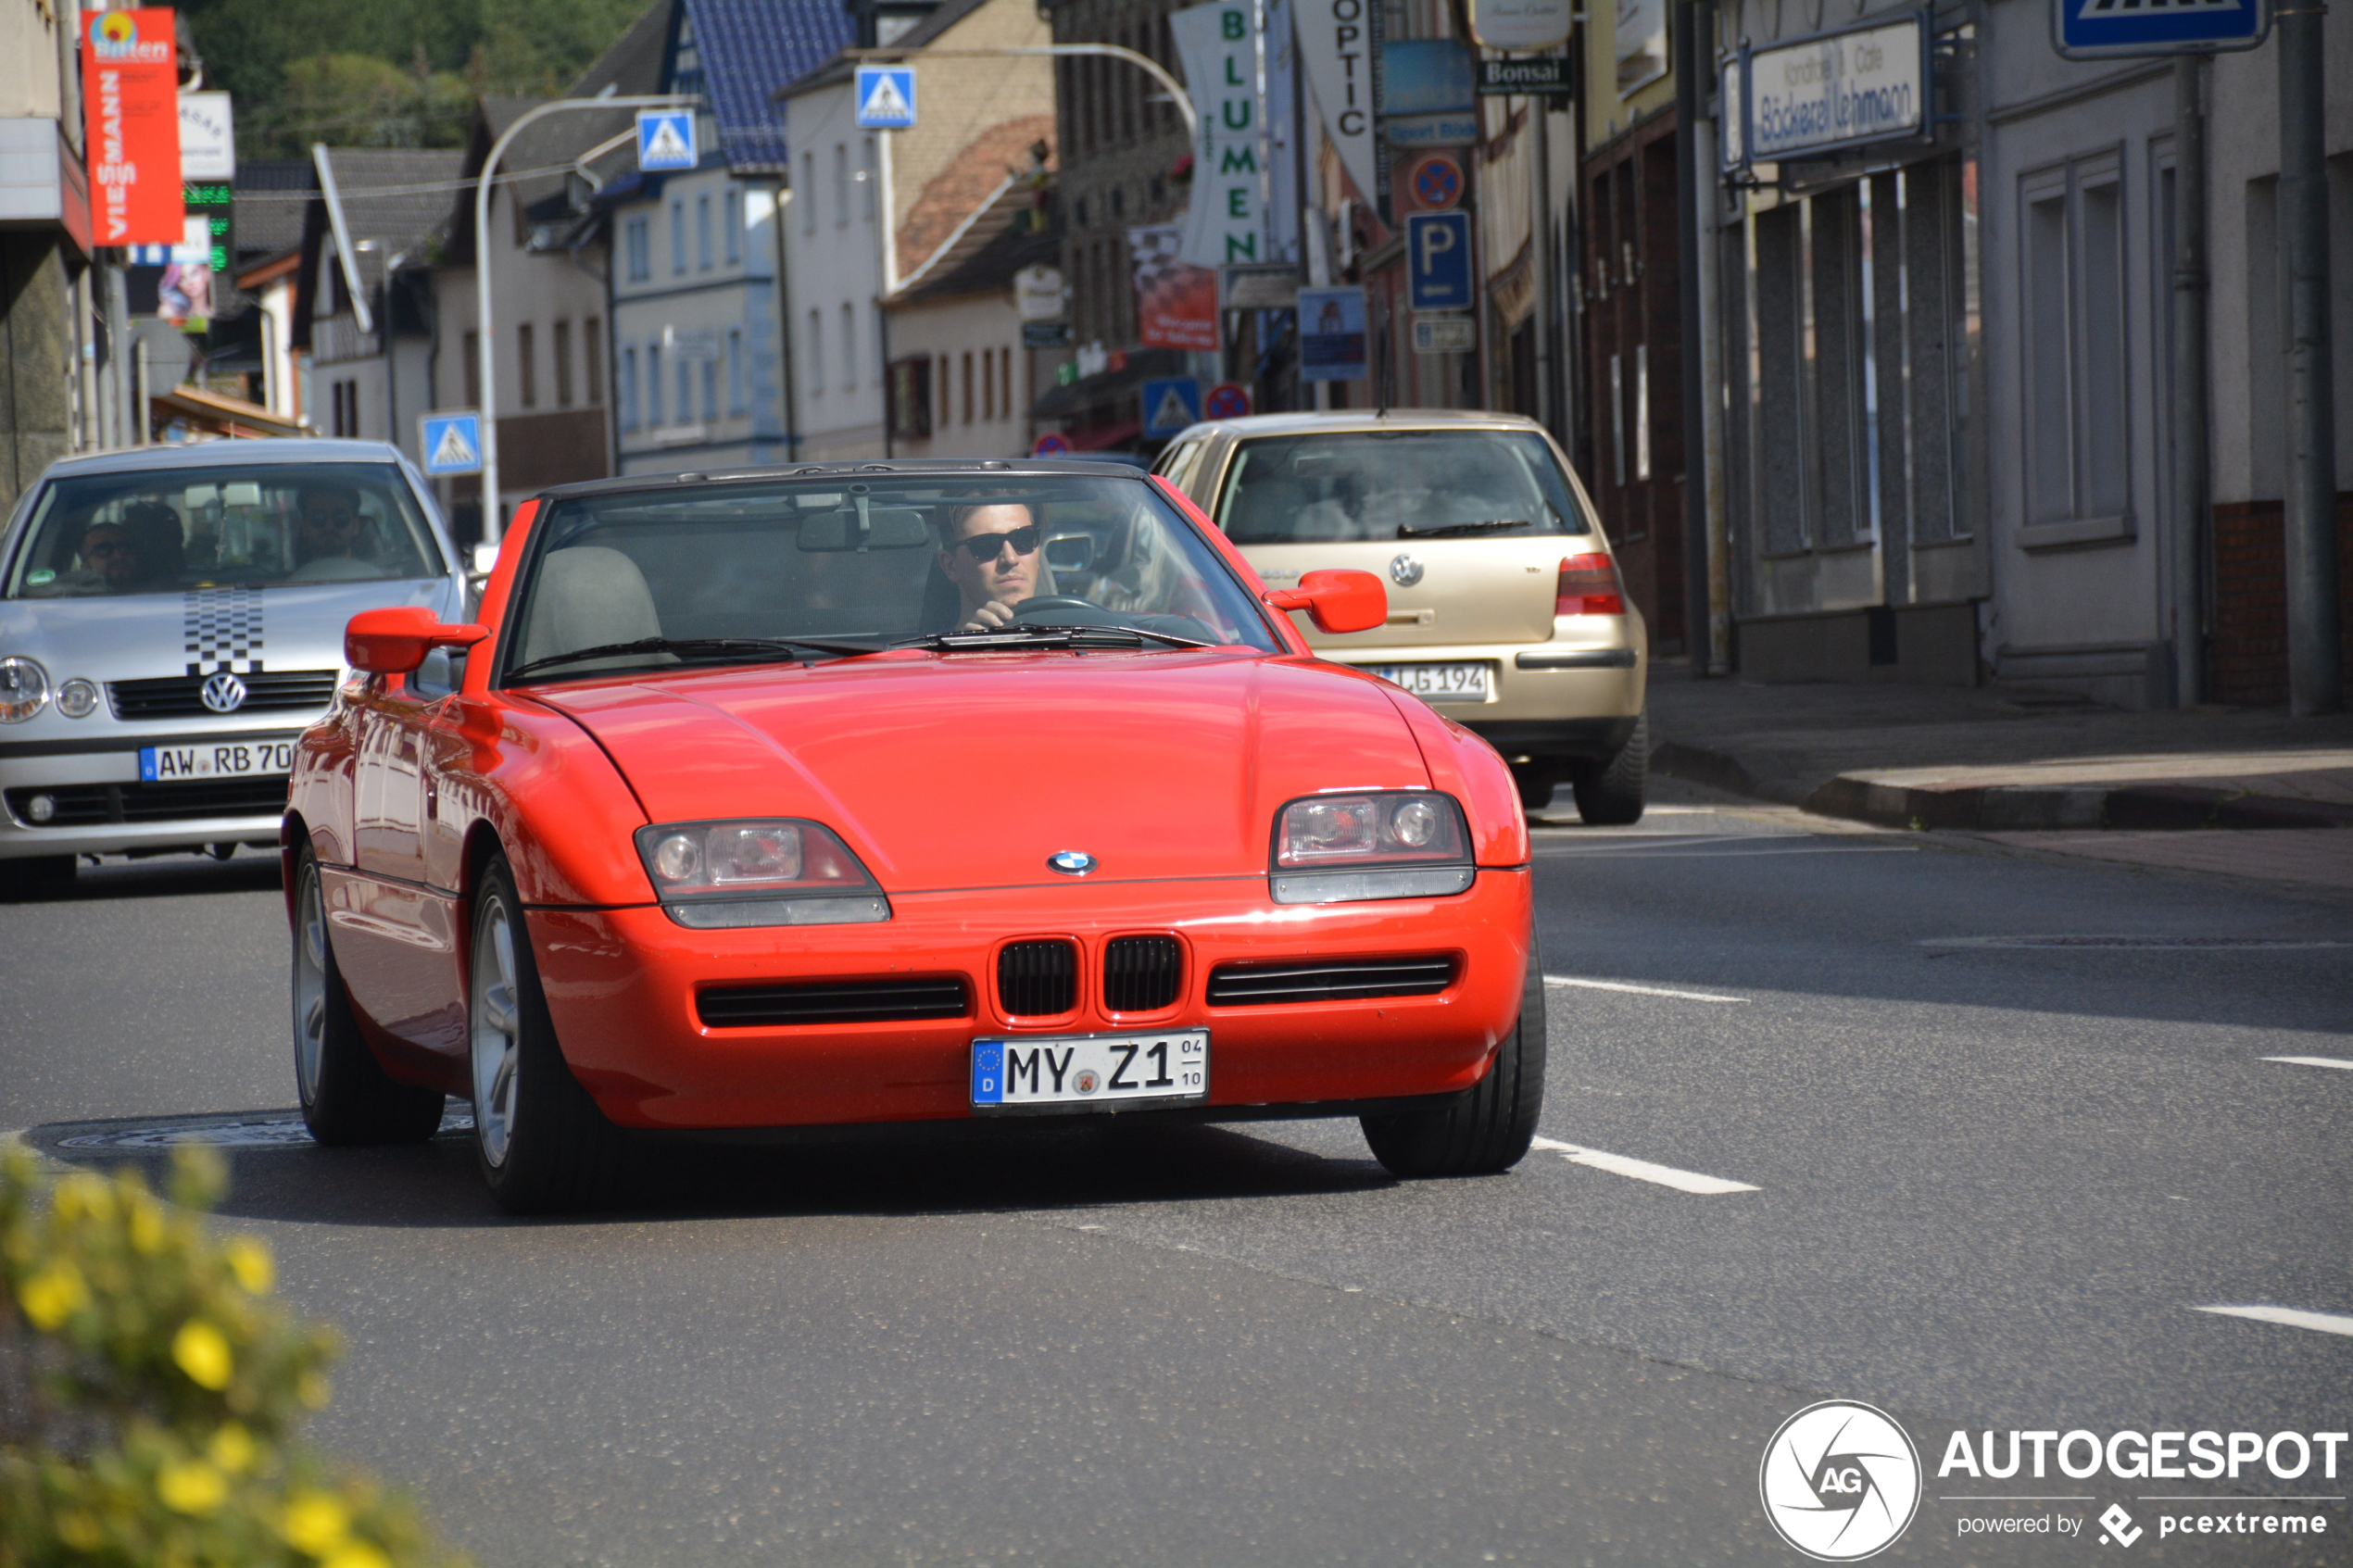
487 341
2315 666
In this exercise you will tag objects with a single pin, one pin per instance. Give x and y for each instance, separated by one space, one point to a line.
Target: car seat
588 595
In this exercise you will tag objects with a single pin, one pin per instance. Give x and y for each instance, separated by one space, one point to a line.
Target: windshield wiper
1029 636
723 645
1442 529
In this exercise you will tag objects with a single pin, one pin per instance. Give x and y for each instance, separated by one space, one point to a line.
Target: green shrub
151 1385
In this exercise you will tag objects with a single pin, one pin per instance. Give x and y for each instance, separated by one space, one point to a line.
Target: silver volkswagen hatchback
171 618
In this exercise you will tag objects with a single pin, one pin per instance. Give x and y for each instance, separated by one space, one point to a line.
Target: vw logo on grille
1071 862
1405 570
224 692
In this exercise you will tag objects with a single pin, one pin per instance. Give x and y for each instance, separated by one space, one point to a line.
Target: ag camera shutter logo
1840 1481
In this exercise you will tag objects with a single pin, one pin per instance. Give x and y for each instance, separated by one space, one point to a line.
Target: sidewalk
2243 793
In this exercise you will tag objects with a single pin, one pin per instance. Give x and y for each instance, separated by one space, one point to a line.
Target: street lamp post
486 343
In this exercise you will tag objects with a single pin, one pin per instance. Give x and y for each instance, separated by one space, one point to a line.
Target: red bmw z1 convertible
895 792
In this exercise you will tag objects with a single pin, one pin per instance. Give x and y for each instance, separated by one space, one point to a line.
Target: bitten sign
131 118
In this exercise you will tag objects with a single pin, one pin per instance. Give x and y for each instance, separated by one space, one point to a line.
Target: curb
2005 808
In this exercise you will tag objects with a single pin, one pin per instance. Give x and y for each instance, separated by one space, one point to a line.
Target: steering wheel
1057 604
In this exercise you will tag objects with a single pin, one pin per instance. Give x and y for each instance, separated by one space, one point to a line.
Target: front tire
1610 794
348 1097
1488 1127
541 1143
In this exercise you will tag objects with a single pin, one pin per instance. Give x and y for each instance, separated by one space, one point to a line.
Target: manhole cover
250 1131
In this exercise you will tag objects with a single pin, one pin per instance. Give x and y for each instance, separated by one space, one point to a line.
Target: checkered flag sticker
222 626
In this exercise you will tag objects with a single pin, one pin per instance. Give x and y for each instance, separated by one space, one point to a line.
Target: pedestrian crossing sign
2090 30
886 97
666 140
1170 406
451 443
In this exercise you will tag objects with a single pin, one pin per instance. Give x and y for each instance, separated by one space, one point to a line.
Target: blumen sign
1865 84
1224 222
131 109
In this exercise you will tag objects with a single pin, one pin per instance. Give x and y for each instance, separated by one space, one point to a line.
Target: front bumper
1560 685
622 988
100 806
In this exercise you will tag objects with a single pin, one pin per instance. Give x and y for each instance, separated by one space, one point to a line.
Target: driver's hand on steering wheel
989 617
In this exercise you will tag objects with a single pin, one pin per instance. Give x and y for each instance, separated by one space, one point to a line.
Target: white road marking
1682 853
2323 1323
2151 943
2314 1061
1642 1169
1639 990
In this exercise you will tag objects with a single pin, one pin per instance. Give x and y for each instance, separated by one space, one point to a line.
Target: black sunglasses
986 547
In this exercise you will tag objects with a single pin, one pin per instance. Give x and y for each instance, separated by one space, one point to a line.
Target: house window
735 371
869 178
709 391
849 347
816 351
702 233
628 389
640 246
731 227
474 370
1005 381
653 385
988 385
968 386
685 391
526 368
562 344
808 197
345 396
946 396
2072 238
677 236
592 357
841 186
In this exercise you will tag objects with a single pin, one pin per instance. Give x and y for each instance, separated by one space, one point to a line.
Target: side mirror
394 641
485 559
1336 601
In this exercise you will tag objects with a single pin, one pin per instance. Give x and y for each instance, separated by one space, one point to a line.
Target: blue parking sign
666 140
886 97
1170 406
1438 260
2092 30
451 444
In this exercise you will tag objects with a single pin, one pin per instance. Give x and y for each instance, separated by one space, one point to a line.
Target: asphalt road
1831 1115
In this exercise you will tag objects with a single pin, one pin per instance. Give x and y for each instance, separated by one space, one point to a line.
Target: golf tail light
1589 587
1391 828
24 690
761 873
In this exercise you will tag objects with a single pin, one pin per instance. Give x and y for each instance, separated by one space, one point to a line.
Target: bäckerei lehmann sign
1866 85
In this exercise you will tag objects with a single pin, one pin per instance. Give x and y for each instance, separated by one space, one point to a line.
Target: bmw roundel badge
1071 862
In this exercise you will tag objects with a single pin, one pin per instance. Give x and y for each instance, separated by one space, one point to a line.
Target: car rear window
266 525
1395 484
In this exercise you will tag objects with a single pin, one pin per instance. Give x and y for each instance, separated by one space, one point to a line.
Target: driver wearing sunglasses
991 557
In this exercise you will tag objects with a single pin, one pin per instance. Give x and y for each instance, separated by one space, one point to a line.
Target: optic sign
1335 44
131 118
451 443
666 140
886 97
1438 260
1867 84
2089 29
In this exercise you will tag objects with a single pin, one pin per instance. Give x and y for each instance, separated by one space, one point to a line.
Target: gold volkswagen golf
1505 607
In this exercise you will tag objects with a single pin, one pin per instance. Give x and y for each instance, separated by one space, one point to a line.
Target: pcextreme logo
1840 1481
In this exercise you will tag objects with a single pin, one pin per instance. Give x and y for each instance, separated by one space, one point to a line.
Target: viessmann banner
1840 88
131 109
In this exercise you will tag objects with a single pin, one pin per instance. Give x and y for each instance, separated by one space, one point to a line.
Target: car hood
118 637
969 769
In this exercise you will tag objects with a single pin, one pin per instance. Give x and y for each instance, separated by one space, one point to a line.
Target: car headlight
24 690
758 873
1392 844
78 698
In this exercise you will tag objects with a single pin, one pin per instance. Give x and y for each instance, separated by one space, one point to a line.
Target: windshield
159 531
1395 484
825 567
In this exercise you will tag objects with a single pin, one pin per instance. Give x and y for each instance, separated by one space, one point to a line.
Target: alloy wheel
498 1027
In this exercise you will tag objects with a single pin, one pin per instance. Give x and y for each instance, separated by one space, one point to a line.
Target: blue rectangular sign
1170 406
451 444
666 140
1438 261
886 97
2088 30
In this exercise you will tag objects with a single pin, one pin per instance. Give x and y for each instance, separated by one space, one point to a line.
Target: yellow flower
192 1488
53 1295
313 1389
249 1261
358 1554
80 1531
203 1353
315 1521
82 1193
232 1448
146 1226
